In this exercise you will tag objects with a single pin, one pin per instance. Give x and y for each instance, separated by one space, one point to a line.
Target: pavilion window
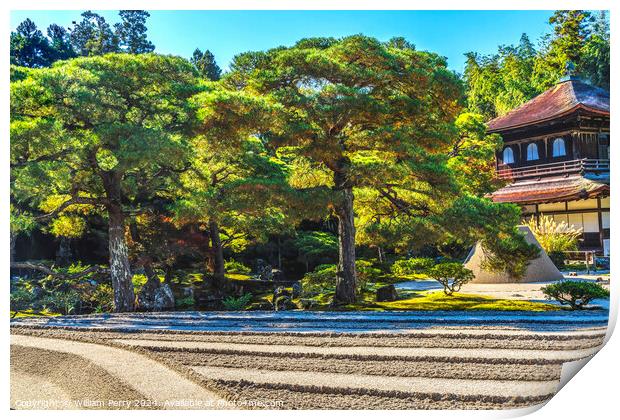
532 151
509 156
559 147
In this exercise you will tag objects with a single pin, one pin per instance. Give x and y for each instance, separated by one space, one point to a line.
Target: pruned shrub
366 273
21 300
412 266
445 272
323 277
235 267
576 294
232 303
62 302
558 258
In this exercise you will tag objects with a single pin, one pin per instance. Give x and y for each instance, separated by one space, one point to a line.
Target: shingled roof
562 99
550 190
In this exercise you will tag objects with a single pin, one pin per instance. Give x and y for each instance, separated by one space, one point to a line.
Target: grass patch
28 313
439 301
432 301
238 277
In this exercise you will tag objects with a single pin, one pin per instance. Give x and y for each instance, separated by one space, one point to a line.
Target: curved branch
95 269
69 202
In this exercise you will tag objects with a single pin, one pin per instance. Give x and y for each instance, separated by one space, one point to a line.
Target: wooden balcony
580 166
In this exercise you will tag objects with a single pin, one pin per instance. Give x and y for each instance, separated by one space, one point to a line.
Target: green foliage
452 276
206 65
232 303
21 300
93 36
322 278
500 82
184 303
20 221
495 224
29 47
60 42
412 266
366 273
65 302
234 267
576 294
131 32
102 299
316 246
69 226
472 158
558 258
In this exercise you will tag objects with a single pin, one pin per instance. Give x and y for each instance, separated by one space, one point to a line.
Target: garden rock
282 299
277 275
155 297
296 290
387 294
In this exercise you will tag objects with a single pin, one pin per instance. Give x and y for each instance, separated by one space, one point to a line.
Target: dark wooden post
600 221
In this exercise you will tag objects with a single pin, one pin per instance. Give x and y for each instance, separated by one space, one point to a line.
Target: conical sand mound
541 269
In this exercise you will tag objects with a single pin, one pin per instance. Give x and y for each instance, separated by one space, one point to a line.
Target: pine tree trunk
13 240
63 255
279 254
120 270
346 277
218 252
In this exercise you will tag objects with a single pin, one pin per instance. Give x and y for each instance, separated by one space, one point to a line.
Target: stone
282 299
297 290
266 274
155 297
264 271
277 276
387 294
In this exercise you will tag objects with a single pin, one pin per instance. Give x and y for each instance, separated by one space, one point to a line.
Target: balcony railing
579 166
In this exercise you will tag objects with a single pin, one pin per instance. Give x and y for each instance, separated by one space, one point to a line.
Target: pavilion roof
551 190
563 98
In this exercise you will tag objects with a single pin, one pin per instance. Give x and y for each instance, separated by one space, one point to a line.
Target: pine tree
206 65
362 115
60 41
29 47
74 149
131 32
93 36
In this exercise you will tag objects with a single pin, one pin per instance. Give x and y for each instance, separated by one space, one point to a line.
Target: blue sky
226 33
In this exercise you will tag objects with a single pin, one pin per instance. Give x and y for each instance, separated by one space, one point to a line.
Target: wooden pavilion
556 158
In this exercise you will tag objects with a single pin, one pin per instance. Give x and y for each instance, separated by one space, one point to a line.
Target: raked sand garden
301 359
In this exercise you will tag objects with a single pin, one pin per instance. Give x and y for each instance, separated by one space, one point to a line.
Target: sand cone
540 269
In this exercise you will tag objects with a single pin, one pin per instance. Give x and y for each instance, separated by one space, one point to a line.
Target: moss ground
435 301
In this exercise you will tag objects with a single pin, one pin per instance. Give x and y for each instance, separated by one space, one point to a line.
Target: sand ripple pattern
376 361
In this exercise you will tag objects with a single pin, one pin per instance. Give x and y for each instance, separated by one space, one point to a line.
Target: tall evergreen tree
105 152
596 60
131 32
362 114
29 47
93 36
60 41
206 65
